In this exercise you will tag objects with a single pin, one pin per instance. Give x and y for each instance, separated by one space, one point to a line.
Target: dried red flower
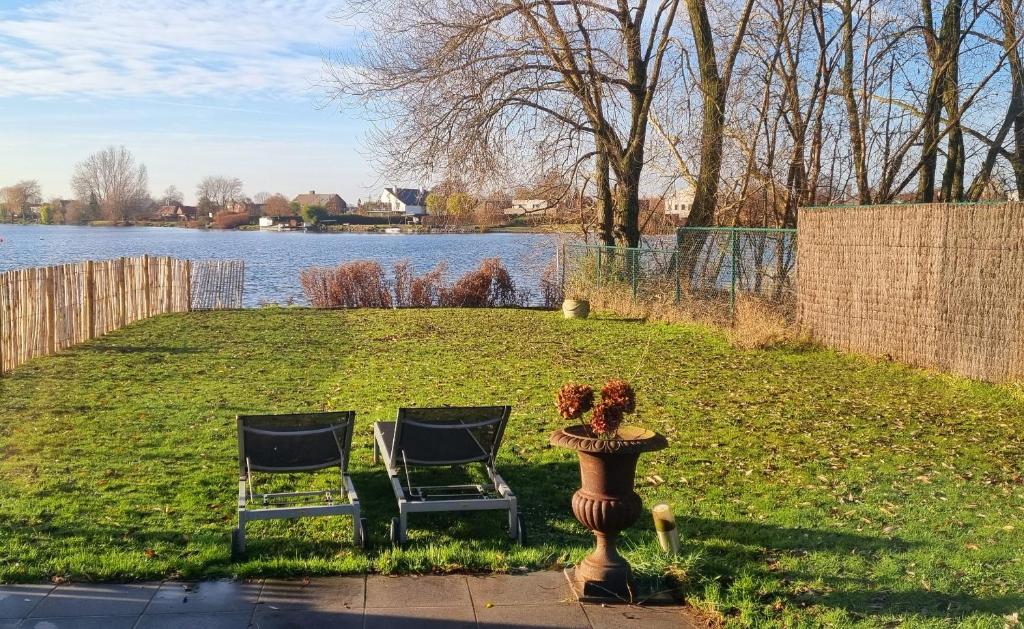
606 419
574 399
619 393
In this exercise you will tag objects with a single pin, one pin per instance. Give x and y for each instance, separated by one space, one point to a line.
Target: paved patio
539 599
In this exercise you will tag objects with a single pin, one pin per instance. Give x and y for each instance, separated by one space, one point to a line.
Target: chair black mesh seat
427 446
300 442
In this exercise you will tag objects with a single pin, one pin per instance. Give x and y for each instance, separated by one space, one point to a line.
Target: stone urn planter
606 504
575 308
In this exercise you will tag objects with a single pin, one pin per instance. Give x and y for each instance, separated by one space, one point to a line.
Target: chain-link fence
709 270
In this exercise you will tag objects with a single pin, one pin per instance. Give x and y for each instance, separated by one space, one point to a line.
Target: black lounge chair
286 444
445 437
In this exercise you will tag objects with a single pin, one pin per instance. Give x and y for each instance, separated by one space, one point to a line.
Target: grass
811 488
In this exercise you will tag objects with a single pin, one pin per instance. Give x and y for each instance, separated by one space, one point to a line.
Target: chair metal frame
298 504
437 498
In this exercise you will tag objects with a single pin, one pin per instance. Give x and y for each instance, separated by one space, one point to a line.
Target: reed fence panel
46 309
933 285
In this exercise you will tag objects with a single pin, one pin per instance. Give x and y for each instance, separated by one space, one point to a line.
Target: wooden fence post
122 290
168 292
188 285
3 317
90 301
146 287
51 313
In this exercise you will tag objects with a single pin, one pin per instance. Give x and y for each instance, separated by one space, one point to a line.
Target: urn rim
629 439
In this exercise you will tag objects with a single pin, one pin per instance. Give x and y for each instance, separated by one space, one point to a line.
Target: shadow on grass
782 538
753 544
113 348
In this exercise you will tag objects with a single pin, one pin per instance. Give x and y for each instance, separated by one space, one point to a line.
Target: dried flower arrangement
617 399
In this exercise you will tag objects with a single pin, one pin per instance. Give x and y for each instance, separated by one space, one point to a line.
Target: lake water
273 259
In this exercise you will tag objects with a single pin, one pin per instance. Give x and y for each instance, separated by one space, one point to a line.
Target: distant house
245 206
404 201
530 207
679 203
177 212
334 203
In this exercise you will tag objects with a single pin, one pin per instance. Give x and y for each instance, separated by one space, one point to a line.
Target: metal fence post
735 254
597 276
561 267
675 268
633 271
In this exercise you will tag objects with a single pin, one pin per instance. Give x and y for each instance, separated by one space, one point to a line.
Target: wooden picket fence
46 309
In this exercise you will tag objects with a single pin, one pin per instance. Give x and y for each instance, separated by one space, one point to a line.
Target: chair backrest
294 442
450 435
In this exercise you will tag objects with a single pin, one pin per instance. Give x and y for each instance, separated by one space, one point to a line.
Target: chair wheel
396 534
521 526
363 525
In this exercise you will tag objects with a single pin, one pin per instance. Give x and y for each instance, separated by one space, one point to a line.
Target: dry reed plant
488 286
756 325
358 284
551 293
403 283
426 290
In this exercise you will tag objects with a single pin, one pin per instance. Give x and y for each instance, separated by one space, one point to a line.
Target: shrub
488 286
428 289
758 325
551 293
359 284
403 283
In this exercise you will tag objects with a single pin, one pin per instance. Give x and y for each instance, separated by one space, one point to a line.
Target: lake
273 259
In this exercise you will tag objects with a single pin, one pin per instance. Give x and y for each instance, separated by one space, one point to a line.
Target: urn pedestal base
617 588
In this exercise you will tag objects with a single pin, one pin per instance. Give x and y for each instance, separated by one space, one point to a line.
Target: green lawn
811 487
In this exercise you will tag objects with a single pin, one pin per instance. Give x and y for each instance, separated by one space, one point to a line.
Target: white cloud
166 47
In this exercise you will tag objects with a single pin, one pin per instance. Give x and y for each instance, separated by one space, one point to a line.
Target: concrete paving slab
86 622
293 619
536 588
95 600
323 594
420 618
17 601
628 616
179 597
562 615
417 591
217 620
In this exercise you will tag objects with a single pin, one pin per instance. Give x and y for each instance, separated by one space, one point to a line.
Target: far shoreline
417 230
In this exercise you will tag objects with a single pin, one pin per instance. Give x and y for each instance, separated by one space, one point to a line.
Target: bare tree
172 196
116 181
465 86
219 191
16 199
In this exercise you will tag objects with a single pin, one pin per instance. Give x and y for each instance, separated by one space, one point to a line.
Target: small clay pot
576 308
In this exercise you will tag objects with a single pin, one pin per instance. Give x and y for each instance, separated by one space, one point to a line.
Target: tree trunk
942 52
605 206
852 109
705 195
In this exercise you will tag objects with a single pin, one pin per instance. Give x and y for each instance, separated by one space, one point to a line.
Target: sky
192 88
